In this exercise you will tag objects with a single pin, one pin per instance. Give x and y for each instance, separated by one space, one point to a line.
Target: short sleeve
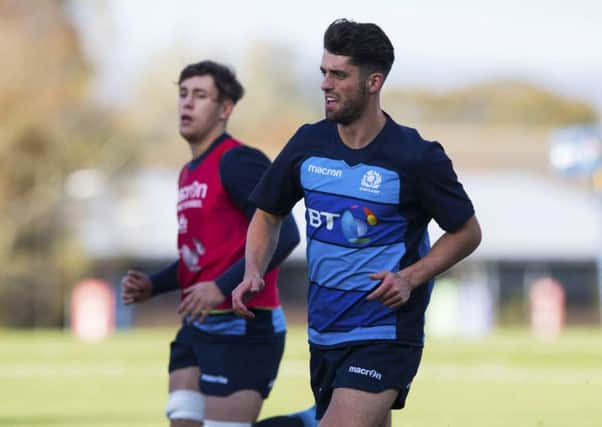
240 170
279 189
440 193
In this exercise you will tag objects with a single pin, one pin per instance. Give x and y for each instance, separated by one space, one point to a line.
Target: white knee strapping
185 405
211 423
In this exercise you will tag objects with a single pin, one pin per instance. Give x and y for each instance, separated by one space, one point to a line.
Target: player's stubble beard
352 108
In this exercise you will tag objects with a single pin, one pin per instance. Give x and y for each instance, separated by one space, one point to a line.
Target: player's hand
246 290
393 291
200 299
135 287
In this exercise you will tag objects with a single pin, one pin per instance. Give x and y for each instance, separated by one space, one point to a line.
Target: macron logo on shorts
217 379
367 372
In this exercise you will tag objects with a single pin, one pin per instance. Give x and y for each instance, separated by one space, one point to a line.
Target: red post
92 310
547 303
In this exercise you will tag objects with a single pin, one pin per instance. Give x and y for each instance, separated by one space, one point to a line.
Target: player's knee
185 405
211 423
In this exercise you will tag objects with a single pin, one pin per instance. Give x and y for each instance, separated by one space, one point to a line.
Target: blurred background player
207 383
371 186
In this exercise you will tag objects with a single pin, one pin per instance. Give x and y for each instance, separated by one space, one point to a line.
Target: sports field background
48 378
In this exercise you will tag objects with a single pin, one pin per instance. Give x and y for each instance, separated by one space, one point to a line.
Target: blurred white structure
523 216
533 225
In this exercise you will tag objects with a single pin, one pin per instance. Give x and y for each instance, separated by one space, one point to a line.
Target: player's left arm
240 170
396 287
443 198
448 250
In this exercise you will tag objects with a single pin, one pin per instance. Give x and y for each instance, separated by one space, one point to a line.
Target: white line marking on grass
47 371
439 372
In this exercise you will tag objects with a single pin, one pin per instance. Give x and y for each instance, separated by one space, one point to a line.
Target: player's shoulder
242 160
244 152
314 130
308 138
406 134
413 145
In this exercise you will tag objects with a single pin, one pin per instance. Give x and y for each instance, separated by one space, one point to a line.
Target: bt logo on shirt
355 222
316 218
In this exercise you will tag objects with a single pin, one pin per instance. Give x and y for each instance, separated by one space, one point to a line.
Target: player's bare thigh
241 406
356 408
184 379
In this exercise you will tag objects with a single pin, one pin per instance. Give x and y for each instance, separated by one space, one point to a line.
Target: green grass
48 378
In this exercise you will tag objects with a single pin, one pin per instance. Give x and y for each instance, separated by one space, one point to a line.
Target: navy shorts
228 363
372 367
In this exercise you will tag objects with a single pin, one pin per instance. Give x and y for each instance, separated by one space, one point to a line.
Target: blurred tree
495 103
499 124
273 106
48 128
151 111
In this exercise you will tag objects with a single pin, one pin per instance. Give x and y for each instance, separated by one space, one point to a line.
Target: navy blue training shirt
367 210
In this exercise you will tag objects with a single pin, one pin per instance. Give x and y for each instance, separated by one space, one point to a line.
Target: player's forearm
262 239
165 280
287 240
449 249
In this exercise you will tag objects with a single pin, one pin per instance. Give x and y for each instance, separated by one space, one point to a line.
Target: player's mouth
330 102
185 120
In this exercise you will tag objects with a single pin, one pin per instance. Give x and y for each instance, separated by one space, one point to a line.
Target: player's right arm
274 197
262 239
137 286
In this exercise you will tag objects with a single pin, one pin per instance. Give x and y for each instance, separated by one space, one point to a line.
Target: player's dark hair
227 84
365 44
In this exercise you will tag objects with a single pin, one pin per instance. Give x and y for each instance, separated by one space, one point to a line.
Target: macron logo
367 372
320 170
216 379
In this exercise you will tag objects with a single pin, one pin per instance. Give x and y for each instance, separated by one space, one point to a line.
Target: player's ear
375 82
226 109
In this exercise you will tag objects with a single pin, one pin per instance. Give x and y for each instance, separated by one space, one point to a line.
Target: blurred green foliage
48 128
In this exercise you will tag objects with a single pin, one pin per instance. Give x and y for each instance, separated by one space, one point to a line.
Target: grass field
48 378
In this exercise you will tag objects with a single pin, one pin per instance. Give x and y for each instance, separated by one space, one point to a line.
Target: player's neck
362 132
200 145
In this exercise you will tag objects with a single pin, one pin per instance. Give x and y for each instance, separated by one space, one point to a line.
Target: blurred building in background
534 226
